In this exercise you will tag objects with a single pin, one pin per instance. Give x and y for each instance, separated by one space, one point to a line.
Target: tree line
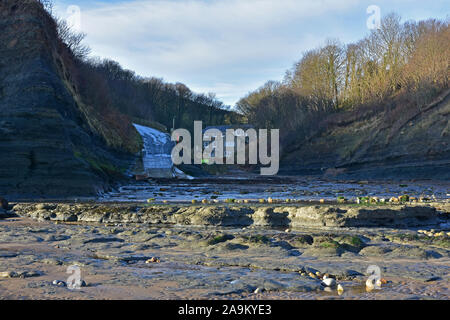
399 65
112 97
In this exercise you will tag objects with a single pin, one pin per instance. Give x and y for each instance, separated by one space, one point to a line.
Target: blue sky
228 47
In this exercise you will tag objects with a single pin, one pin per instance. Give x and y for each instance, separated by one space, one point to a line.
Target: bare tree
47 4
73 39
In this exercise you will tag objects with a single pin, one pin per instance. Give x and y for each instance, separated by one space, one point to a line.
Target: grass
350 243
99 165
329 244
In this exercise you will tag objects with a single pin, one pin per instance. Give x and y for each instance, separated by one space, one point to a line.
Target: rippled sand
195 266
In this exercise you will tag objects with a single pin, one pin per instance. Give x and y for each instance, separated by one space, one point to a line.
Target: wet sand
217 262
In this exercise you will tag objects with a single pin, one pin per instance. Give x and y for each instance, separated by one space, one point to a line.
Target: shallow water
278 188
191 270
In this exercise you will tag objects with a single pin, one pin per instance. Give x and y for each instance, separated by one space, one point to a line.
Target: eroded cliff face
44 138
372 149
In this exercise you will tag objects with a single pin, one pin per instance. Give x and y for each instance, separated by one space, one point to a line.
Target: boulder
4 204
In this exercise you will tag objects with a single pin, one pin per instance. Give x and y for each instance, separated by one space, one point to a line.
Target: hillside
66 122
48 147
371 148
377 108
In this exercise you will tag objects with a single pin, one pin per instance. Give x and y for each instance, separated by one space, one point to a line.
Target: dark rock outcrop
294 216
44 137
4 204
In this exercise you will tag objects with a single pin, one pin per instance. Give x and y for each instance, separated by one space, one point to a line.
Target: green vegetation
219 239
364 200
341 199
329 244
368 204
442 242
339 243
407 237
302 240
260 239
421 238
350 243
100 165
215 169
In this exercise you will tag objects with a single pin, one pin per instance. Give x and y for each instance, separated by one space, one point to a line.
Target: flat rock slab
292 216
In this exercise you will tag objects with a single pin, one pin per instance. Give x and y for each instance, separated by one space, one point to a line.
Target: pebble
259 290
433 279
153 260
8 274
59 283
370 285
328 282
340 289
22 274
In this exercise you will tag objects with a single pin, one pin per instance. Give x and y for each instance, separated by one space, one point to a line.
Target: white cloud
225 46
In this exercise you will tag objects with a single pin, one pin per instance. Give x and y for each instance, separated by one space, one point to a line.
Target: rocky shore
181 251
242 215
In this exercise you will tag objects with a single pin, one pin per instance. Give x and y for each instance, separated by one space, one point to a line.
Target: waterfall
156 154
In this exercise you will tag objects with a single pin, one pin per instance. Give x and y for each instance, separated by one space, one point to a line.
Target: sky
228 47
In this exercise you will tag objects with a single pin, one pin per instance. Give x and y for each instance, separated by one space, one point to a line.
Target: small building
239 131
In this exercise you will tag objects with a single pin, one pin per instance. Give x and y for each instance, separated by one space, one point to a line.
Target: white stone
328 282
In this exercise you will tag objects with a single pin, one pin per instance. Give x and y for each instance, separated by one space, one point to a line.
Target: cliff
49 145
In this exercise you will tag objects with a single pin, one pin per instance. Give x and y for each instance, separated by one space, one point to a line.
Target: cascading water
156 154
